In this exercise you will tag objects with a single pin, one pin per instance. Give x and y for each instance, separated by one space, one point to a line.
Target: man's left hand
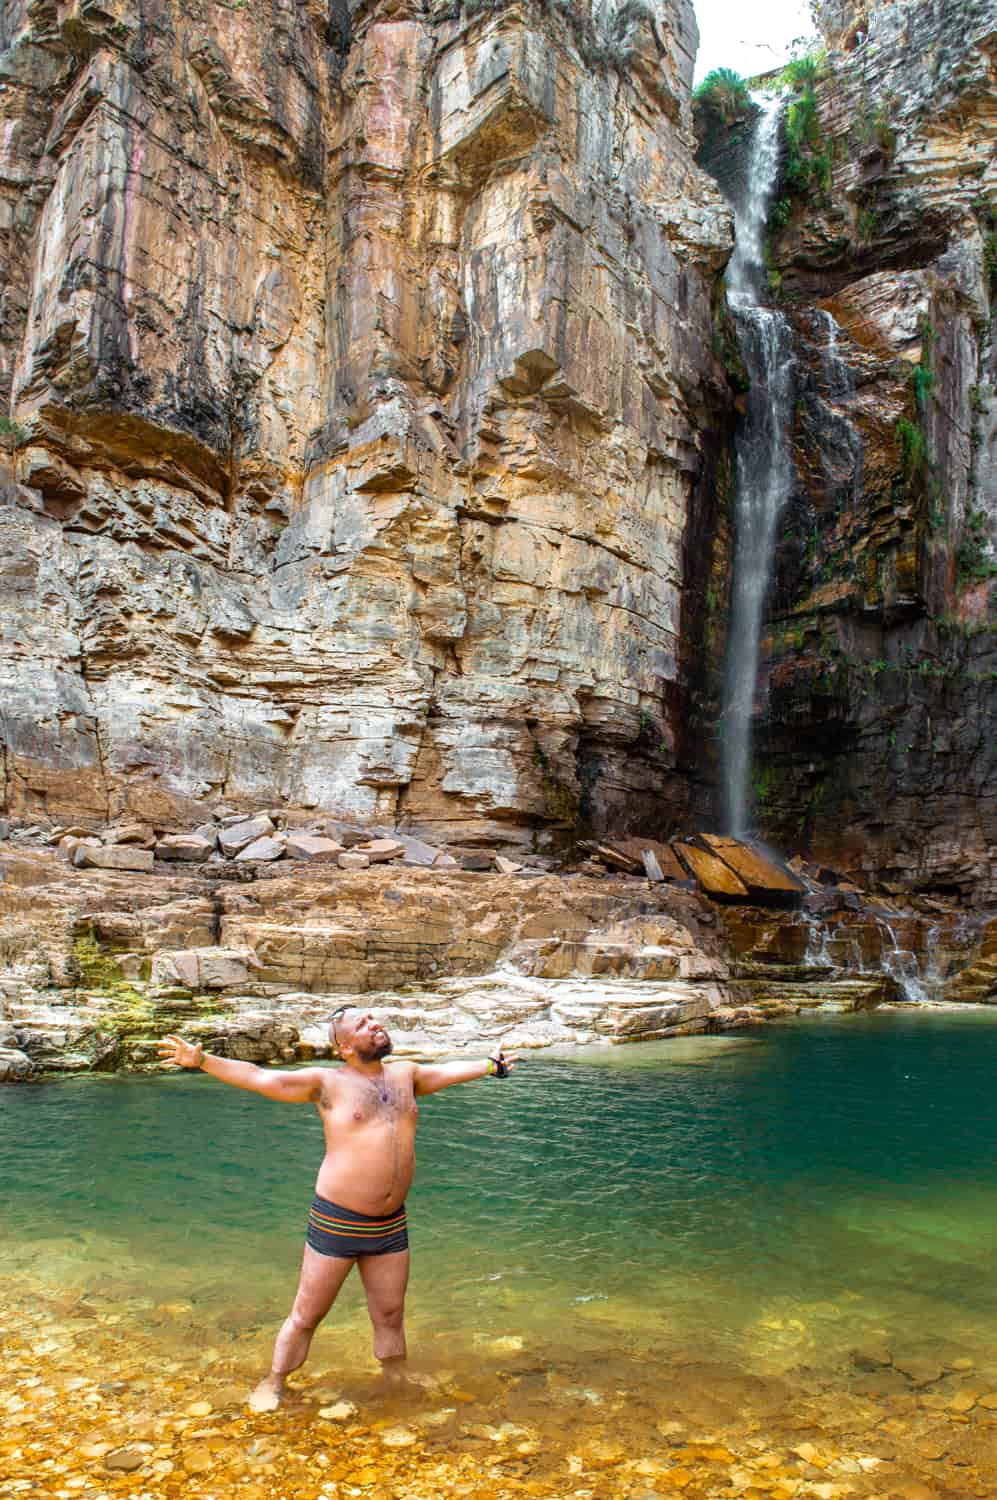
504 1062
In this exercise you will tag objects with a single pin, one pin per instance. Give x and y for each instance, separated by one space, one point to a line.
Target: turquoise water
778 1199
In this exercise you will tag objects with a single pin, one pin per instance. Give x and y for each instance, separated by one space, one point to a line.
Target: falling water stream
763 467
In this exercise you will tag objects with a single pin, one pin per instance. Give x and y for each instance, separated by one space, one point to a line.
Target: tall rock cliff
876 717
365 413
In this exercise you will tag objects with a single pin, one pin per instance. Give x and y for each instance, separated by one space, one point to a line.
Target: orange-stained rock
715 877
763 875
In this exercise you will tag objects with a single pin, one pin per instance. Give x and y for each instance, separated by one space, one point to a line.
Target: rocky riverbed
502 1419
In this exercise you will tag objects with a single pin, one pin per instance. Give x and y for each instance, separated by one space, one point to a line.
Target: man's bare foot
267 1395
395 1376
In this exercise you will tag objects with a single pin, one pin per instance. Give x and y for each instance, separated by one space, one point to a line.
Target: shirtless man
357 1216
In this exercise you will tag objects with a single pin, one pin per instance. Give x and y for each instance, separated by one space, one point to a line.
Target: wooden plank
715 877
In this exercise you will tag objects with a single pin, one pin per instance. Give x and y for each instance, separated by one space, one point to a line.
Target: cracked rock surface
363 405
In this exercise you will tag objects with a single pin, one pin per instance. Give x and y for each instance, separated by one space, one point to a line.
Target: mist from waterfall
764 472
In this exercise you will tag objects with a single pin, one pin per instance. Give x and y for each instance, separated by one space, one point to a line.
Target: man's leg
385 1278
321 1278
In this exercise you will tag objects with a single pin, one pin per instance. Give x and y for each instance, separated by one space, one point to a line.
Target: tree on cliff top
725 93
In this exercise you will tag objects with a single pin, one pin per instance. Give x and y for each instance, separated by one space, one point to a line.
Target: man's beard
374 1051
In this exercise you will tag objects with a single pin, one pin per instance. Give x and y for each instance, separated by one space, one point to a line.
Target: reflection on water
777 1251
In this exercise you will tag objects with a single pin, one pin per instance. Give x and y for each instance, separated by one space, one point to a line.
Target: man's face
358 1031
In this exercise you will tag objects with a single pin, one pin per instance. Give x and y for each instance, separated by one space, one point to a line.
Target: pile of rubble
726 869
233 844
237 840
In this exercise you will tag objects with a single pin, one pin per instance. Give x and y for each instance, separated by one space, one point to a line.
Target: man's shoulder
325 1082
402 1067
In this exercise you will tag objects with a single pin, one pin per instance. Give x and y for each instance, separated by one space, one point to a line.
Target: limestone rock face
96 964
876 734
363 409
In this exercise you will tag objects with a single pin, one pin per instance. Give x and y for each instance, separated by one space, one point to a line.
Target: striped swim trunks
333 1230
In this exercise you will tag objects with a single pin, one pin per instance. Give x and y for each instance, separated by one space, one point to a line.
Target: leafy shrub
725 92
990 255
913 445
804 70
923 381
780 214
866 224
974 561
806 165
874 128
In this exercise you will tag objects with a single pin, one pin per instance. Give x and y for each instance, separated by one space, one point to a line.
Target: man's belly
370 1170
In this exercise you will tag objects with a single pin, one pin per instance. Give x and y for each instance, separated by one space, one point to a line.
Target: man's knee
304 1320
388 1314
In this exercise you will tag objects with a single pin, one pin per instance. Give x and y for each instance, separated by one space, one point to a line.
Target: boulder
715 877
506 866
379 851
15 1065
74 830
615 857
417 852
130 833
262 850
477 859
766 878
237 836
88 856
313 847
70 842
190 847
352 859
664 856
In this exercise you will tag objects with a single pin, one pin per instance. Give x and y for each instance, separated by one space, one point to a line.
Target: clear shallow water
842 1171
772 1238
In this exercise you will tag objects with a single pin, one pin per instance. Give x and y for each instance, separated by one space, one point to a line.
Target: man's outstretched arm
431 1077
293 1088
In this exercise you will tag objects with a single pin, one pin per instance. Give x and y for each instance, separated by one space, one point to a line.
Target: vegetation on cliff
724 93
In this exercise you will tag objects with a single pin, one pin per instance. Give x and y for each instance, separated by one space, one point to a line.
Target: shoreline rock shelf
97 961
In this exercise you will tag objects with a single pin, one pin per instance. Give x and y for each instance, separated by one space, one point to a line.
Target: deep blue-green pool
780 1198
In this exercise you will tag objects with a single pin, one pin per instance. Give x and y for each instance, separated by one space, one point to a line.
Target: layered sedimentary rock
95 964
364 412
877 706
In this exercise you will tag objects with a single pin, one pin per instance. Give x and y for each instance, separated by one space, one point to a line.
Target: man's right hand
174 1051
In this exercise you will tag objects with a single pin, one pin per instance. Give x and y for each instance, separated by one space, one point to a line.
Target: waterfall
838 375
764 472
842 452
